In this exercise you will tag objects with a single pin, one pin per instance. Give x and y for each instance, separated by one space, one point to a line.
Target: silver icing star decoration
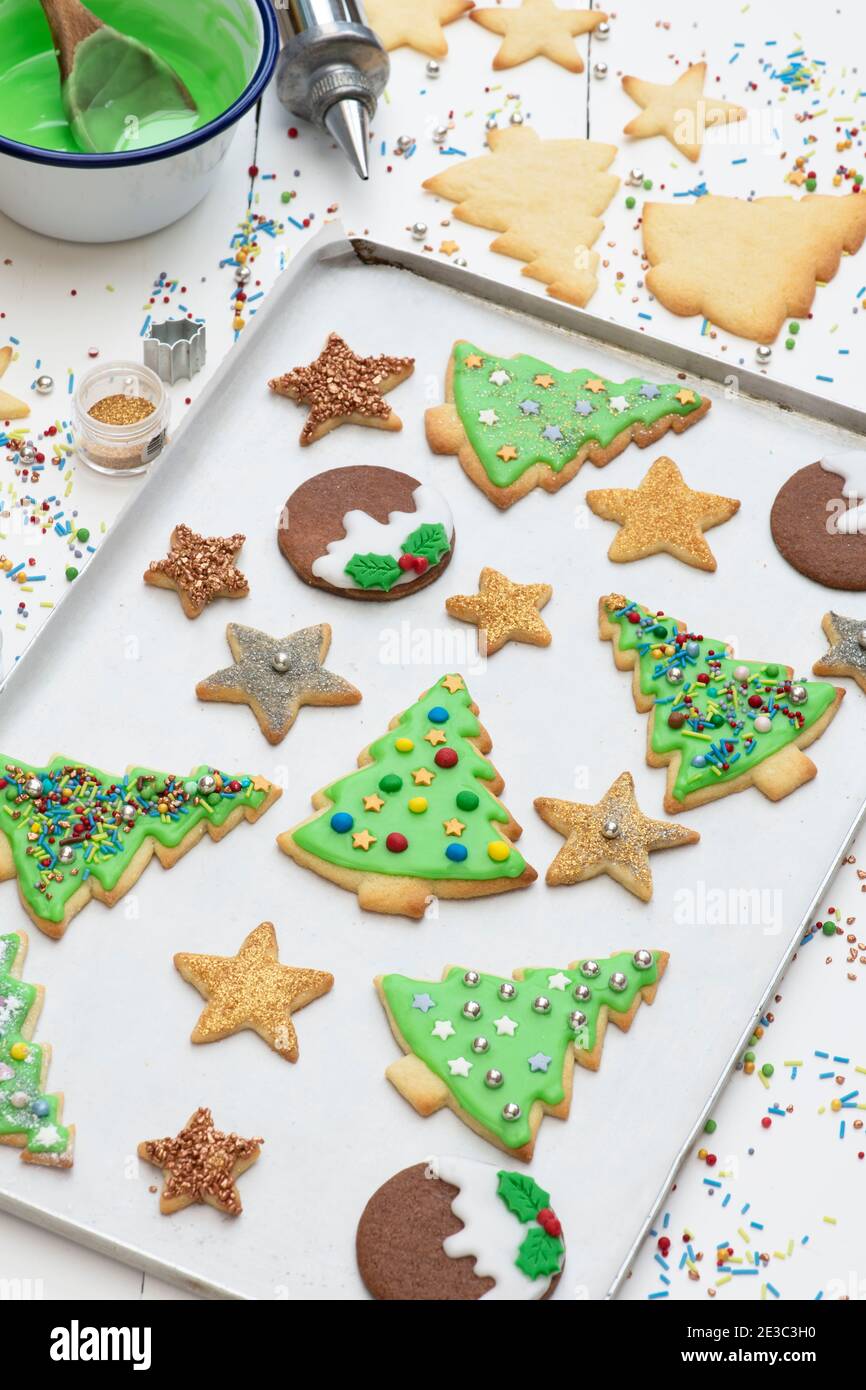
275 676
847 654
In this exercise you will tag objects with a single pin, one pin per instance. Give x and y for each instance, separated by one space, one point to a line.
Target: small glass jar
128 437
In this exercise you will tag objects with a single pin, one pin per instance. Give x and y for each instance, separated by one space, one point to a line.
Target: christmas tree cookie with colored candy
516 423
718 723
29 1119
420 818
500 1053
69 833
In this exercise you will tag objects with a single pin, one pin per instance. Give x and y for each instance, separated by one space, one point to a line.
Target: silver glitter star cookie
847 654
276 675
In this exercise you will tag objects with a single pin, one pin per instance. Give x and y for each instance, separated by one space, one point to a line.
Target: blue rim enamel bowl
114 197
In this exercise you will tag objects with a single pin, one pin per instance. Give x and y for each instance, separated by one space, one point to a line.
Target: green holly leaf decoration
539 1254
374 571
522 1195
429 540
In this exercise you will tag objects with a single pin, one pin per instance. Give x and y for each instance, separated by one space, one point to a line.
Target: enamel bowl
113 197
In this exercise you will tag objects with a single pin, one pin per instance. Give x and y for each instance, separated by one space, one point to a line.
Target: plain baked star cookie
679 110
199 569
342 388
275 676
538 28
201 1164
662 514
252 990
414 23
612 837
503 611
847 654
10 407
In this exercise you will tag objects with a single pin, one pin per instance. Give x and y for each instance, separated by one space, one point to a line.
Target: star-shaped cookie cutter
175 349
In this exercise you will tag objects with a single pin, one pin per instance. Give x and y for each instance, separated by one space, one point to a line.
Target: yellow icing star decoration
473 361
503 611
434 737
422 777
453 683
684 396
544 379
662 514
506 453
679 111
362 839
454 827
373 803
10 407
447 248
612 837
595 384
252 990
414 23
538 28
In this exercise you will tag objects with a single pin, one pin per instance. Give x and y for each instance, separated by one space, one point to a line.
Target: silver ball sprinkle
433 69
280 662
66 854
128 812
242 275
576 1019
599 71
472 1009
610 829
583 993
511 1111
27 452
799 694
206 784
635 177
861 637
618 981
675 675
643 958
491 123
419 230
440 134
45 384
589 969
516 118
763 353
541 1004
461 261
405 142
480 1044
33 787
471 979
507 990
601 31
493 1078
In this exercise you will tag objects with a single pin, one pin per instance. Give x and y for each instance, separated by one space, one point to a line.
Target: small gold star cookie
679 110
847 654
10 407
538 28
662 514
414 23
199 569
252 990
612 837
503 611
201 1164
342 388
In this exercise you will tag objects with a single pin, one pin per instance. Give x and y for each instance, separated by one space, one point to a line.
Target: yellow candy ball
498 851
417 804
238 323
18 1052
835 1105
404 745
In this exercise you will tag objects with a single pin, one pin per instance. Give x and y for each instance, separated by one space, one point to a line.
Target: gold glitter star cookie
10 407
503 611
252 990
199 569
847 654
662 514
275 676
679 111
201 1164
343 389
612 837
414 23
538 28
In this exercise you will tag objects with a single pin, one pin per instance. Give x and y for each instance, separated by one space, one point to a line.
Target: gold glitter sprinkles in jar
121 418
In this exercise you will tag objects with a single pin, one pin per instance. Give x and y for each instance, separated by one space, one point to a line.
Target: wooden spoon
112 84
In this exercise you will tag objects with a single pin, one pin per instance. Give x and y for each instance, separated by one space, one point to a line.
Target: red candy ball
766 1122
634 617
445 757
396 842
755 701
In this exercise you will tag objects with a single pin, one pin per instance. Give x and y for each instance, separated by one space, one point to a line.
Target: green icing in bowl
213 45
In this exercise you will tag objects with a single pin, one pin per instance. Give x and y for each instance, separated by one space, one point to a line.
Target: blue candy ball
41 1108
456 853
699 760
693 648
342 822
438 714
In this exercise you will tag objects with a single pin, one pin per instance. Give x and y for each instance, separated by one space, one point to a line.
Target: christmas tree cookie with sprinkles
718 723
516 423
69 833
500 1053
29 1119
421 817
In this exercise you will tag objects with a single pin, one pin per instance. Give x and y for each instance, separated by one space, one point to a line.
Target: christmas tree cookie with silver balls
367 533
453 1229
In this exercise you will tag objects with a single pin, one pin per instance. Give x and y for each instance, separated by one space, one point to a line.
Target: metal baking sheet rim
332 245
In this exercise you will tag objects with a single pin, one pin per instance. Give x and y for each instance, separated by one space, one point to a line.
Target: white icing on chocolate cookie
364 534
851 467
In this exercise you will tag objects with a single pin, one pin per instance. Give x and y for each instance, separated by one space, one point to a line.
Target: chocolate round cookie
367 533
454 1229
818 521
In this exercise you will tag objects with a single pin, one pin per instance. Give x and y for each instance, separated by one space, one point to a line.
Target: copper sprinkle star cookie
611 837
538 28
201 1164
847 654
662 514
252 990
276 675
199 569
503 611
343 389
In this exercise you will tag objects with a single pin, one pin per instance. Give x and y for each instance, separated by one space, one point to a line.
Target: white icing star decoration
505 1026
558 981
459 1067
443 1029
499 377
618 403
488 417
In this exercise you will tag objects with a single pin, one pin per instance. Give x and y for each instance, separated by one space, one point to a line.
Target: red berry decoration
396 842
406 562
445 757
549 1221
420 563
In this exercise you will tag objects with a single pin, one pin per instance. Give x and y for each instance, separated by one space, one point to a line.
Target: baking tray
115 685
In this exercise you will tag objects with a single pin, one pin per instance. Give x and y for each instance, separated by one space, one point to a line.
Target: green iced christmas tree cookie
29 1119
